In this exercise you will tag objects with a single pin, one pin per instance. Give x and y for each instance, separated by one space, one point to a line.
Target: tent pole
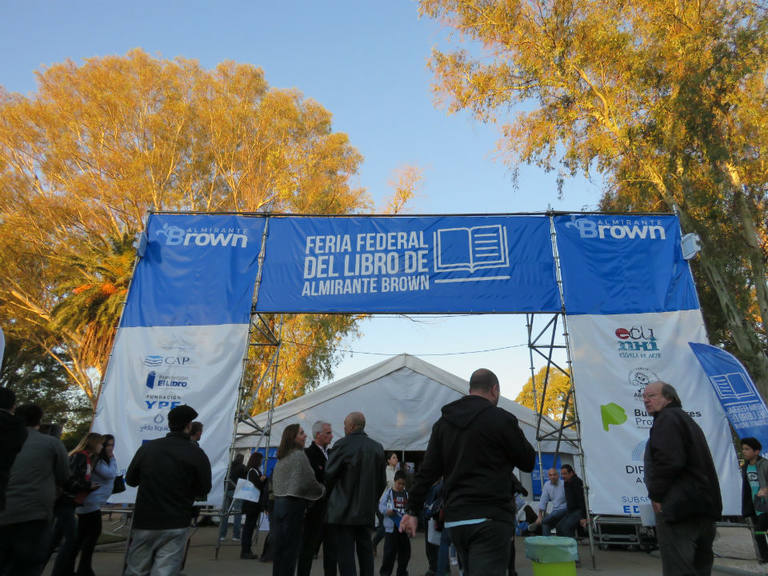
571 392
529 325
242 388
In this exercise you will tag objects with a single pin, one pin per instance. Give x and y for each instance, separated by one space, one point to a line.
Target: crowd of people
50 499
332 497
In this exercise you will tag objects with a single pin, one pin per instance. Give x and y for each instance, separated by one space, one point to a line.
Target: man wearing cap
171 473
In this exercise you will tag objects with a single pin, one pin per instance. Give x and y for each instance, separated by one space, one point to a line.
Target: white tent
401 398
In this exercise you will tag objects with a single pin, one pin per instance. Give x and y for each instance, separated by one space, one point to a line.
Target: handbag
761 504
118 485
245 490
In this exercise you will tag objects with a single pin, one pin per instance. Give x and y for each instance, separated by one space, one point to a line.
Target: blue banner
743 405
623 264
196 270
439 264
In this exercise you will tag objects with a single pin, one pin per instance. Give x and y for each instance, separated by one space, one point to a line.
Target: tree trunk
755 255
747 343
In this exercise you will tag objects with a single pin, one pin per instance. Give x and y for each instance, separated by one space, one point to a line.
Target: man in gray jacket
25 524
355 477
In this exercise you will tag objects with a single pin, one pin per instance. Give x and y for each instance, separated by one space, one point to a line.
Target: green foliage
37 378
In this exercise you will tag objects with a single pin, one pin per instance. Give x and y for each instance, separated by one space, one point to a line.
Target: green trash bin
552 555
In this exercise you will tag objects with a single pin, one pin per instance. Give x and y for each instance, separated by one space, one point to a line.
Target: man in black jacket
171 473
475 445
314 521
355 477
574 498
13 433
682 484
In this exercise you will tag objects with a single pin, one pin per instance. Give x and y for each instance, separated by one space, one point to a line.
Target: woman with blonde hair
293 485
103 473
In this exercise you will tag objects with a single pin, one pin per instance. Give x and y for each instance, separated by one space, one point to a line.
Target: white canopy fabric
401 398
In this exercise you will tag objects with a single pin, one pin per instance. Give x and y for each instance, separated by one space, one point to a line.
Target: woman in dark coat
252 510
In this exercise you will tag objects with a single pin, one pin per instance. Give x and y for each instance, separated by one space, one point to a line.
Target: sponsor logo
644 420
612 415
639 340
618 229
163 405
156 360
156 424
158 381
213 236
639 378
631 504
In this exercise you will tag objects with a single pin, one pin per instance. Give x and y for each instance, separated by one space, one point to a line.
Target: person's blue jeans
236 510
569 523
285 525
443 558
550 521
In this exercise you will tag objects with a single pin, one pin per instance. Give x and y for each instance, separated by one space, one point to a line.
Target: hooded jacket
475 446
679 471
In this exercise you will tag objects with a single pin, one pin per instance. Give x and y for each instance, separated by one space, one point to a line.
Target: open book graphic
471 249
731 385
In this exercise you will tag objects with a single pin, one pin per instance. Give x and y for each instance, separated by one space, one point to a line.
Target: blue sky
366 63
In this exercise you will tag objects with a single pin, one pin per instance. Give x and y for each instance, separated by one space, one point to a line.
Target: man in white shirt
553 491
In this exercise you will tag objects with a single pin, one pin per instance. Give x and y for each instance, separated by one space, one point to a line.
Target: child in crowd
396 545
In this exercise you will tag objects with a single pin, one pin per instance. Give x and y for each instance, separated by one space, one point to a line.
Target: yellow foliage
557 388
85 158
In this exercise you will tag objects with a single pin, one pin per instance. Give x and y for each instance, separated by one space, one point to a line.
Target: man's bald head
354 422
484 383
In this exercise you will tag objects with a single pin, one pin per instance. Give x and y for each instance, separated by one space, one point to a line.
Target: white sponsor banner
154 369
614 357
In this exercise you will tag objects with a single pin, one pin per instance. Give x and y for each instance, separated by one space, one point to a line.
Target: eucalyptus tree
664 99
